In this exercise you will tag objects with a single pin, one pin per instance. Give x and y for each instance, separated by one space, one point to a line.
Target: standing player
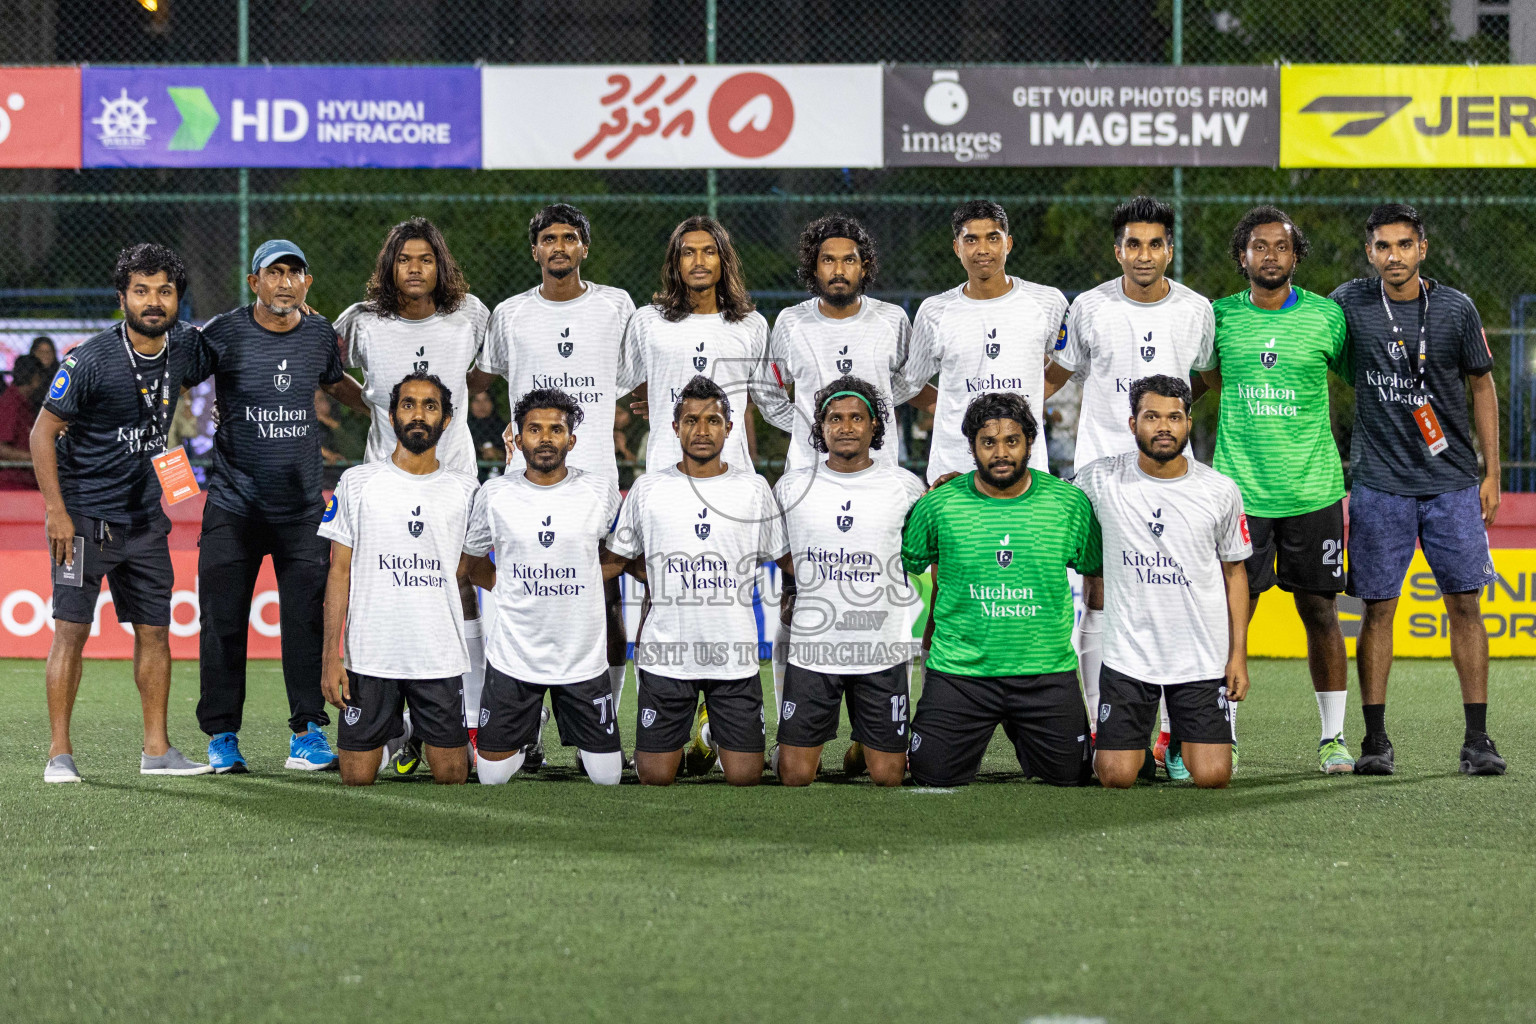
850 634
264 499
1275 344
546 524
104 421
991 333
402 522
1134 326
1415 343
565 333
695 533
1001 540
1176 593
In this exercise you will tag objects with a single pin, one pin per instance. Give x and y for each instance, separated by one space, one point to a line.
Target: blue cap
272 250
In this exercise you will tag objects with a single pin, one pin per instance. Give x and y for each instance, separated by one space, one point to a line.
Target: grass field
280 896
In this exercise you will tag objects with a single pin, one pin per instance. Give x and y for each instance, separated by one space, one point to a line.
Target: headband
848 394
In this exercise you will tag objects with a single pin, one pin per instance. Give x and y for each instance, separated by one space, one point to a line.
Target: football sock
1090 650
603 769
1375 719
1477 719
1162 714
1232 720
780 660
474 679
616 684
1330 708
494 773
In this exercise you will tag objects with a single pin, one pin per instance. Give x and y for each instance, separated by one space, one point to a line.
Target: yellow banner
1421 629
1402 115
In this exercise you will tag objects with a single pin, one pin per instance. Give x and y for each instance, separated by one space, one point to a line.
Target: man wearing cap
266 360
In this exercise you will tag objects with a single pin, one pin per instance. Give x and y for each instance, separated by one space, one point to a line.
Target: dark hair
42 339
977 209
444 395
701 387
1160 384
26 370
1265 215
384 297
878 407
1394 213
998 405
560 213
1142 210
730 291
149 259
548 398
837 225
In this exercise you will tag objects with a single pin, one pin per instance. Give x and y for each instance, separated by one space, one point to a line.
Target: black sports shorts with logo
136 560
1042 715
509 713
666 706
877 707
373 713
1304 552
1197 711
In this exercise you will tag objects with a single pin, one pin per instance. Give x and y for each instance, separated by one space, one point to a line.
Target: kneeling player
1175 594
695 533
402 520
1000 539
546 525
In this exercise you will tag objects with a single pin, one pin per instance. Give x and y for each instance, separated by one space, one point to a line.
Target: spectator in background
18 411
627 441
485 429
47 353
343 437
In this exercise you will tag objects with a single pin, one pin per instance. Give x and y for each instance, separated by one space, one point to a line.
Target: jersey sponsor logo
546 537
278 422
845 523
420 365
844 365
405 570
647 717
1148 350
60 384
1242 521
1154 569
415 525
1156 528
789 710
702 529
352 715
1269 401
281 380
330 510
1005 553
992 382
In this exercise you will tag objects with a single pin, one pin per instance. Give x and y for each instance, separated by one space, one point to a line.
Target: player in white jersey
839 331
846 594
701 322
992 333
695 533
397 531
1176 593
546 523
565 333
1134 326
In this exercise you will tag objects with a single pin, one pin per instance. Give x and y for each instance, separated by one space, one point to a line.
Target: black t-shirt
1388 452
266 451
105 457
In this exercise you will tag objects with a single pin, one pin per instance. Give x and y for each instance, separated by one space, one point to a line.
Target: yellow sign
1421 629
1402 115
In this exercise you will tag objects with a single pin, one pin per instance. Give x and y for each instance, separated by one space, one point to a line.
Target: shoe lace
313 741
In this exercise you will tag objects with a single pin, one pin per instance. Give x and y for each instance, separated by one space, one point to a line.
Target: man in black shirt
264 498
115 395
1414 345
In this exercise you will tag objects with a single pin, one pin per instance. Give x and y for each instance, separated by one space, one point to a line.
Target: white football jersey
667 355
1113 341
1165 599
406 532
551 624
574 346
854 607
703 539
810 350
981 345
387 349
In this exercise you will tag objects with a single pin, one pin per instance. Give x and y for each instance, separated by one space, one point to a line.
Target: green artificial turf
280 896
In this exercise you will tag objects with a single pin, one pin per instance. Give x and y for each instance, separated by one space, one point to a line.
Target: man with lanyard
95 448
264 498
1414 344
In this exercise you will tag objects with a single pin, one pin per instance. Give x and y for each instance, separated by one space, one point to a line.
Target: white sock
494 773
616 684
603 769
1232 720
1162 714
1090 659
474 679
780 660
1330 708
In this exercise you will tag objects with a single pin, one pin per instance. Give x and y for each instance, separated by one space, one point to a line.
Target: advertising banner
1081 117
280 117
1401 115
686 115
39 117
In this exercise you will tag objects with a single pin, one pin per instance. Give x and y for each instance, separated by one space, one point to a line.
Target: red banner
40 117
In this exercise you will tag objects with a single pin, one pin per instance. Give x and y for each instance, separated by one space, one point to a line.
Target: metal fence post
711 176
1178 172
244 57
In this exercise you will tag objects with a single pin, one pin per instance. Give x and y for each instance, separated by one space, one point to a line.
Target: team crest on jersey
702 529
415 525
845 523
789 710
1148 350
647 717
844 365
1268 359
565 347
992 347
281 380
352 715
1155 527
546 537
420 365
700 362
1005 553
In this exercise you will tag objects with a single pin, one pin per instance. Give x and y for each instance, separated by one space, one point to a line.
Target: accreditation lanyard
1421 366
159 418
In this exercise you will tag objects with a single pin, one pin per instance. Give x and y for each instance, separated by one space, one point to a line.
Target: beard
836 301
1003 483
418 443
561 272
1161 456
699 458
277 310
545 459
150 330
1272 279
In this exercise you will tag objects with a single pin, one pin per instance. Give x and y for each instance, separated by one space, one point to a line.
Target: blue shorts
1383 529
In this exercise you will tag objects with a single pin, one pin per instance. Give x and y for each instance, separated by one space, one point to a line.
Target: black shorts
665 709
877 707
1197 712
1042 715
509 713
136 560
1308 548
372 715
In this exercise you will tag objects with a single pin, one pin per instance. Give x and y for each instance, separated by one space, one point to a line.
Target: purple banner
280 117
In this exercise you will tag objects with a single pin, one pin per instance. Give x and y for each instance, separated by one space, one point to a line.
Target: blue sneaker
309 751
224 754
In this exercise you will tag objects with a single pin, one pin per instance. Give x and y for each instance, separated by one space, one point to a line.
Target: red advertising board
39 117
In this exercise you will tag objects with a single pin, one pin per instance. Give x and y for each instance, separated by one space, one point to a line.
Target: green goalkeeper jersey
1004 604
1274 437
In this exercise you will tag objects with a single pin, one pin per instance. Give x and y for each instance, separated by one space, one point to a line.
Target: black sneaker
1148 770
1481 757
1375 756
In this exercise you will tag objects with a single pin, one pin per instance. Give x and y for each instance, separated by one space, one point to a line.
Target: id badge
1429 426
175 474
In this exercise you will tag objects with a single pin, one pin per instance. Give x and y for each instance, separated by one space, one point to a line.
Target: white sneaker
61 769
172 762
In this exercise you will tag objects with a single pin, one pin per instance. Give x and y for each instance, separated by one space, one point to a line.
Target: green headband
848 394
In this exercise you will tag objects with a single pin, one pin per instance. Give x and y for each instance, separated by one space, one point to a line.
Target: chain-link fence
65 227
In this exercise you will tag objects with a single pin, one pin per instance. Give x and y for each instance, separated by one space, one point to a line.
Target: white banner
684 115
